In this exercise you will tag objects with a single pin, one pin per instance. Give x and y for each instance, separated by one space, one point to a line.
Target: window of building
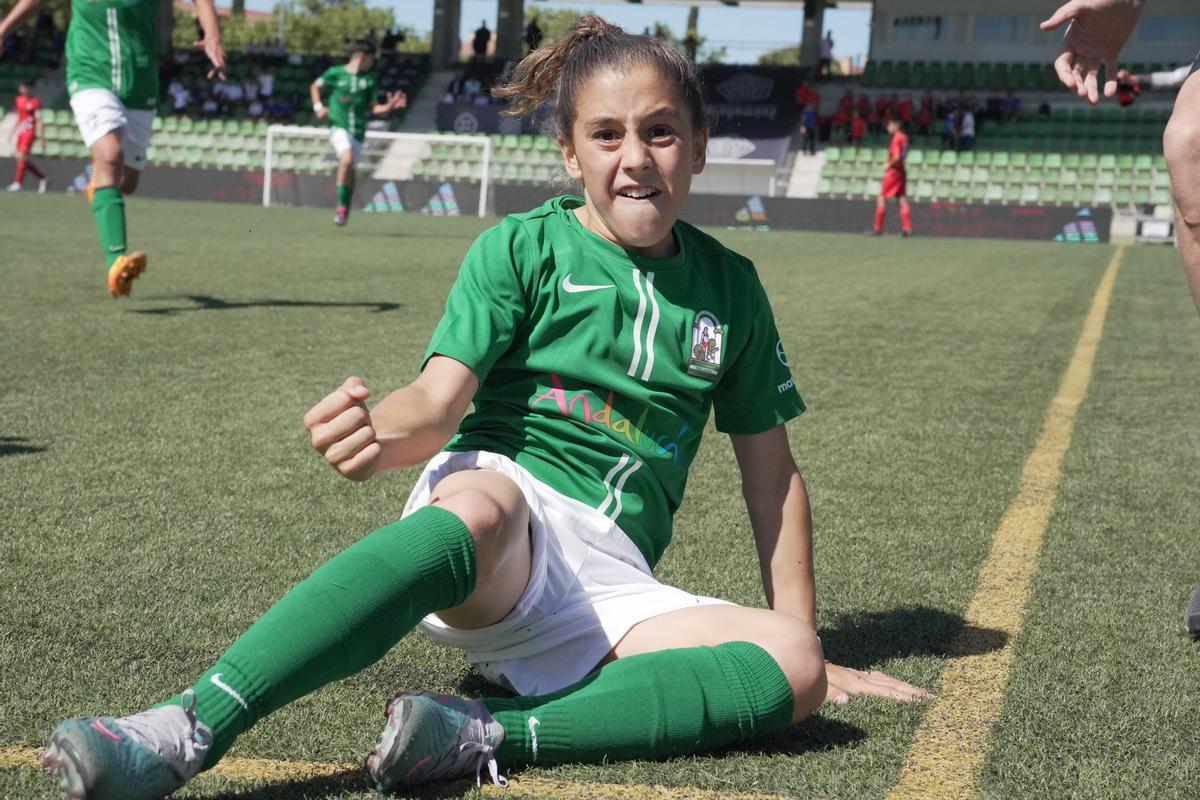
920 29
1001 29
1169 29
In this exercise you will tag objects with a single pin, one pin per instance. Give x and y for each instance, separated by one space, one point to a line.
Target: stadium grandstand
988 121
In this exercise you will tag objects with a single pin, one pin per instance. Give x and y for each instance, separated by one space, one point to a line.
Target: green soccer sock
108 208
344 194
650 706
339 620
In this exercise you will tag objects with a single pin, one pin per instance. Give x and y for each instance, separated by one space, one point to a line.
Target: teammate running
352 91
28 130
895 181
112 77
594 336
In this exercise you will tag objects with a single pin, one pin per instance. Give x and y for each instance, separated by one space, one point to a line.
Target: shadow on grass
863 641
337 785
17 446
205 302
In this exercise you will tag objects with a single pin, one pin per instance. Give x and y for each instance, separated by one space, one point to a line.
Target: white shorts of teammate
588 585
342 141
99 112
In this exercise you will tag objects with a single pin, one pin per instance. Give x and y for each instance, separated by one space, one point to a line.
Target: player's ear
570 159
699 151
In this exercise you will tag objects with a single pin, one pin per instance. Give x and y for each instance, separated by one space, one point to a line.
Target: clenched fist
341 430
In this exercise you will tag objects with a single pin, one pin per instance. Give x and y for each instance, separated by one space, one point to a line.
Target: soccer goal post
387 156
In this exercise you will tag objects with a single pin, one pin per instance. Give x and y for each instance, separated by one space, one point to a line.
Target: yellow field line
263 770
949 746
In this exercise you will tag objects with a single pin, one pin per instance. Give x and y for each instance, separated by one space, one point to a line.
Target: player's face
635 149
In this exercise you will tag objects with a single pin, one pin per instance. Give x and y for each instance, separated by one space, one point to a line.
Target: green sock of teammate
108 208
339 620
344 193
651 706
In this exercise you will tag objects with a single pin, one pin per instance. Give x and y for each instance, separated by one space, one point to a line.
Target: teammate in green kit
594 336
352 91
112 77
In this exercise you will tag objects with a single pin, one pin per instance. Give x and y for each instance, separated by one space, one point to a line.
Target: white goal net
387 156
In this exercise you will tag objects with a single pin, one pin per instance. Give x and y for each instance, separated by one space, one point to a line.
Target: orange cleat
123 271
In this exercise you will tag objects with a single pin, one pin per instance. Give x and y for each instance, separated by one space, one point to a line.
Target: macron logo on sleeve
576 288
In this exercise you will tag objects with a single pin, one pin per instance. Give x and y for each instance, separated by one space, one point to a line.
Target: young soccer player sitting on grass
594 335
352 90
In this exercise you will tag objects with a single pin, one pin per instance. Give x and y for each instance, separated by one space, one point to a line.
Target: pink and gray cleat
145 756
433 737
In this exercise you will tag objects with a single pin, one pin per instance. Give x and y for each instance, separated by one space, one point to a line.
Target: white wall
1168 34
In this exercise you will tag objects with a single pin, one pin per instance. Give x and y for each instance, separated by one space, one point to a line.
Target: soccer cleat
123 271
1191 617
341 216
141 757
872 232
14 187
42 184
905 234
432 737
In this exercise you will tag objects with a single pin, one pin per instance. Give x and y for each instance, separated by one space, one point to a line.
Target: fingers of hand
349 446
1062 66
350 420
329 407
1062 14
1091 83
362 465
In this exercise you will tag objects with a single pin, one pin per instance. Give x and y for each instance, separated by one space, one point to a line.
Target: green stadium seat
841 187
1105 180
1102 197
833 154
923 191
1019 159
1161 197
871 187
948 158
1123 197
994 194
978 192
981 176
1068 195
1030 194
824 187
1049 195
1001 160
1012 193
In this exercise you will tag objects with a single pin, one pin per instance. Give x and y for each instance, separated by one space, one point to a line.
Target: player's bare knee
492 508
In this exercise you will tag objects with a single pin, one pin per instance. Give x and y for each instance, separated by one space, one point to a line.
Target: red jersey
28 110
897 150
858 127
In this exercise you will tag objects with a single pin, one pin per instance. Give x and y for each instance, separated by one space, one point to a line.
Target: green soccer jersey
598 368
113 44
350 99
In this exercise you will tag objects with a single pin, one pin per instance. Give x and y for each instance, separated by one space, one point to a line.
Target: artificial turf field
158 492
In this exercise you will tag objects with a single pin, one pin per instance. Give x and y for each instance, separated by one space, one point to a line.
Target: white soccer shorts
588 586
99 111
342 141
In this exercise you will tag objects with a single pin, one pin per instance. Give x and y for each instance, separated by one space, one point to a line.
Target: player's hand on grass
342 432
843 682
215 51
1098 31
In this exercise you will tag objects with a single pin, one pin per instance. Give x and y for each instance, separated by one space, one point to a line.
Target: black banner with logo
1079 224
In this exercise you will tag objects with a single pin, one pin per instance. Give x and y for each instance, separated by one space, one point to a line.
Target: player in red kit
895 181
28 129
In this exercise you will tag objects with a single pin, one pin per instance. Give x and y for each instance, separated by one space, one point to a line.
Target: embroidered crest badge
707 338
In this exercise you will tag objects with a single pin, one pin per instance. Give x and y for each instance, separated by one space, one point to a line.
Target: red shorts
895 184
25 143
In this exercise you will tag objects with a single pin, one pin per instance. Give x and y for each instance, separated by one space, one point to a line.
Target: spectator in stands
255 109
950 131
1010 107
266 83
808 130
966 129
533 34
904 111
858 128
925 120
864 105
480 43
180 96
826 55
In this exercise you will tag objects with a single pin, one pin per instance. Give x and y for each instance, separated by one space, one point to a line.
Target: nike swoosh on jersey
575 288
